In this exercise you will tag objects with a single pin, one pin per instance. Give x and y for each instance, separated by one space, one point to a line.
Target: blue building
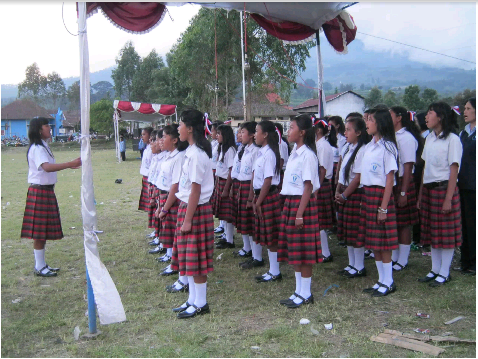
16 118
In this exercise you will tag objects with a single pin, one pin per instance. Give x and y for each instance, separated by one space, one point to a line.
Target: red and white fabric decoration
278 134
412 115
227 122
135 111
456 109
340 32
207 123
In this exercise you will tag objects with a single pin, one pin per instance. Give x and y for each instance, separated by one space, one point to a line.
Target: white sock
169 252
298 281
304 289
160 245
446 258
201 291
222 224
192 289
359 254
39 258
156 241
350 251
387 276
183 279
247 243
229 229
324 242
379 265
396 253
436 261
273 263
404 253
258 252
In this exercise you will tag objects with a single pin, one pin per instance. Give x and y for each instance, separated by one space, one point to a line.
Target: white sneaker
152 234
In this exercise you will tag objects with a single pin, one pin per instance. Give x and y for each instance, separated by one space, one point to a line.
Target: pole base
91 335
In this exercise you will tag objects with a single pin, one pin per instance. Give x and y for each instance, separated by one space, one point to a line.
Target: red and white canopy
142 112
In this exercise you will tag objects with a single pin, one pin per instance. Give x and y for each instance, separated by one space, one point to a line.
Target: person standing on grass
41 220
234 188
299 238
144 170
348 196
215 148
438 199
193 256
378 221
467 186
265 200
326 142
410 146
245 216
141 146
122 148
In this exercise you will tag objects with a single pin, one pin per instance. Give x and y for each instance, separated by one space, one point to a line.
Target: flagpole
243 71
320 74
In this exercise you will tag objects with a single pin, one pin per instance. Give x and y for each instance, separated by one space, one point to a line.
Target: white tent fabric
107 299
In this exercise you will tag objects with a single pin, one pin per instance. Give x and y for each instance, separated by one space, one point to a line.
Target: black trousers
123 156
468 220
141 151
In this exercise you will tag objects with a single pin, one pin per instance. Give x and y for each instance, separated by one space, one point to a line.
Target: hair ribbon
207 131
278 134
456 109
412 115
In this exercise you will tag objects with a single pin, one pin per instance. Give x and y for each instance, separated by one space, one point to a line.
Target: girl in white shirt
299 238
222 202
326 142
193 256
348 196
234 191
215 147
438 199
338 123
145 163
378 222
410 146
152 189
264 197
245 215
41 220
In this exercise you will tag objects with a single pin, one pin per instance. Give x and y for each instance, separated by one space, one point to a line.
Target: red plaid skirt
223 205
439 229
266 229
299 246
157 222
169 223
41 220
193 253
334 187
153 193
143 199
349 219
379 237
235 200
325 200
408 215
213 196
245 216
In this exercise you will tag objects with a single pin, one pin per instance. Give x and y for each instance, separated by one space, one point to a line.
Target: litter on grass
72 227
423 331
219 257
76 332
454 320
423 315
256 347
18 300
329 287
328 326
304 321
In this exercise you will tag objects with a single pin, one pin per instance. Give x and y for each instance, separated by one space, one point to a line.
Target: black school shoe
293 305
242 253
358 273
172 288
198 311
53 269
389 289
224 245
428 279
252 264
328 259
435 283
42 273
372 289
164 273
181 308
157 250
218 230
273 278
285 301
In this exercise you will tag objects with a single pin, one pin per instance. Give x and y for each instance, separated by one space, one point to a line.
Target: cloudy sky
34 32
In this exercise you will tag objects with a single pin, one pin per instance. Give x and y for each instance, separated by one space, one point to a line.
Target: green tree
374 97
34 84
411 98
127 63
428 97
390 99
101 117
73 95
55 88
143 77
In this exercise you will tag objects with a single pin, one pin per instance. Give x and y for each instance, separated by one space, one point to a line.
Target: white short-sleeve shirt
377 162
222 167
155 166
197 168
170 170
439 154
37 156
325 153
146 161
284 153
236 166
265 167
247 162
303 166
355 167
341 142
407 149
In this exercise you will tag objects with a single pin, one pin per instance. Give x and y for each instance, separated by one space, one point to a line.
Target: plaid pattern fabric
153 193
408 215
168 224
41 219
349 220
266 230
158 224
379 237
439 229
299 246
334 187
325 200
143 199
223 205
212 200
235 200
193 252
245 216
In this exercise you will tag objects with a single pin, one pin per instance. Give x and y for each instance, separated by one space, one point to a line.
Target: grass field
243 313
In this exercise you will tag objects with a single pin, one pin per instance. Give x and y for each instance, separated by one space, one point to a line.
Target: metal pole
91 305
320 74
243 71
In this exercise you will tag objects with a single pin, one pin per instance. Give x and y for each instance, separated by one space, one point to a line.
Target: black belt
271 189
42 185
163 192
433 185
325 180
